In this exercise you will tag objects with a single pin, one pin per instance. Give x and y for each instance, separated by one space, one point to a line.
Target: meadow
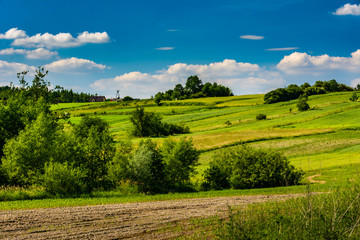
323 141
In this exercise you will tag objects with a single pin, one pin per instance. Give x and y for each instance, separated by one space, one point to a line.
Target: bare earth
116 221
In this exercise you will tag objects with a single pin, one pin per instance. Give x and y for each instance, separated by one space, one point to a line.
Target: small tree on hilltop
302 104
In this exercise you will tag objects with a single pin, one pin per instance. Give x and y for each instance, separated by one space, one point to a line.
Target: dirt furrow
115 221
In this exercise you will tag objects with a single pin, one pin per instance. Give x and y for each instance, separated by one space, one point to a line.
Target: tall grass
334 215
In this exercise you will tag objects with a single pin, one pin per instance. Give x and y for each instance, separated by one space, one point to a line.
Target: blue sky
141 47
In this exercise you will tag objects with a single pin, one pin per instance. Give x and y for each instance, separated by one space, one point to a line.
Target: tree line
194 88
40 88
294 91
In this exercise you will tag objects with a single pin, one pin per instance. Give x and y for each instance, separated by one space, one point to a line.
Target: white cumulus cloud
348 9
252 37
12 68
355 82
61 40
73 65
303 63
13 33
240 77
40 53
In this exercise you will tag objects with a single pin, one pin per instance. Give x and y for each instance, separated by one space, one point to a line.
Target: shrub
180 160
127 98
302 104
244 167
63 179
146 168
261 116
149 124
354 97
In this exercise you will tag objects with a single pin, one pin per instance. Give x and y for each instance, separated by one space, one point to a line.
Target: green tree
26 154
354 97
180 159
302 104
193 85
146 168
97 150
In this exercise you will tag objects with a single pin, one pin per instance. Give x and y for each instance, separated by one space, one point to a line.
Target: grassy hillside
324 140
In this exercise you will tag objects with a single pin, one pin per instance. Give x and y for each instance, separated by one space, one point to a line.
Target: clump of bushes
354 97
149 124
302 104
155 169
261 116
293 91
244 167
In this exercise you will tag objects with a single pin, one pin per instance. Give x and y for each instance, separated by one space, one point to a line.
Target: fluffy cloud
39 53
252 37
72 65
61 40
348 9
12 68
13 33
282 49
297 63
240 77
355 82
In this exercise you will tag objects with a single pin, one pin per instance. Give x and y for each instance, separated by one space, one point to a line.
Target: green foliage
294 92
127 98
97 150
149 124
245 167
118 168
180 158
26 154
323 216
193 85
147 169
302 104
354 97
261 116
63 179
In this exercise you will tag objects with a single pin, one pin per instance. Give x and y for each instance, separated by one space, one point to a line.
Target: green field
324 141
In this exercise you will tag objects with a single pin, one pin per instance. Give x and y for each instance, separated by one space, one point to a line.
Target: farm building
97 99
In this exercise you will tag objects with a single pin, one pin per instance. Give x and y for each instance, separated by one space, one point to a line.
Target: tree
146 168
180 160
96 148
302 104
149 124
26 154
193 85
158 98
354 97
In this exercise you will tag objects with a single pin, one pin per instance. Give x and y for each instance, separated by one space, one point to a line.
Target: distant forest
293 91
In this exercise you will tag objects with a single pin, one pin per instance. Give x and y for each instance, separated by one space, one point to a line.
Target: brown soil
116 221
311 179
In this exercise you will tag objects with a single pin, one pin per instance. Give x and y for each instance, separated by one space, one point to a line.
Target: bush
63 179
244 167
354 97
127 98
261 117
149 124
302 104
180 160
146 168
